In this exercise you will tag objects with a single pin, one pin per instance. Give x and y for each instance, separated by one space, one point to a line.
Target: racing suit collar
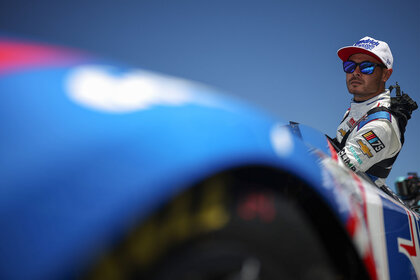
358 109
382 95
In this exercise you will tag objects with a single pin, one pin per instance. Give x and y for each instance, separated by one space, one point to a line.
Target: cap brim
346 52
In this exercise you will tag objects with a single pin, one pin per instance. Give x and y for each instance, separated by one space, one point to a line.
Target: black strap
378 171
382 168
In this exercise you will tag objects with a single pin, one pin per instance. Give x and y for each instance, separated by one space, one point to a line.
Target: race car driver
371 134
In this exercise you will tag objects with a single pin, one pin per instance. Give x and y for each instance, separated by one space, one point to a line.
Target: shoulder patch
365 149
374 141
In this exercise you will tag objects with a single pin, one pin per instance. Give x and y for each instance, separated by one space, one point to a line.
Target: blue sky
279 55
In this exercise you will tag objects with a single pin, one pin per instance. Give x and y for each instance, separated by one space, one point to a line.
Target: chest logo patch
351 122
365 149
374 141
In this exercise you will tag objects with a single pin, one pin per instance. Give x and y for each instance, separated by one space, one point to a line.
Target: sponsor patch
365 149
351 122
356 156
374 141
342 132
368 44
346 160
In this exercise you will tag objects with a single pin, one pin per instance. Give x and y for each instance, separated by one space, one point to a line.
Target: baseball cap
370 46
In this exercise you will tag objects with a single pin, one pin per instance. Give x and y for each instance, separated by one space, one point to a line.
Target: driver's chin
355 89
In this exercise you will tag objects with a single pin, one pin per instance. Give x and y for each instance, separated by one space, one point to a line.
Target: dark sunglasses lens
367 67
349 66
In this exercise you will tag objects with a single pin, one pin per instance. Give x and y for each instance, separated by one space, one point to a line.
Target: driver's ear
386 74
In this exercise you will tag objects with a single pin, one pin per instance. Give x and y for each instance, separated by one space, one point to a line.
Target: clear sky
279 55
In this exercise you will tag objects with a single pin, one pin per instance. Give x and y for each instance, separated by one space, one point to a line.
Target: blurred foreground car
110 172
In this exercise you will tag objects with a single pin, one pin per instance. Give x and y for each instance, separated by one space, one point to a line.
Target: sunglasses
366 67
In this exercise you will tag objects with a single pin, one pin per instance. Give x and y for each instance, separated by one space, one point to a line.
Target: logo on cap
368 44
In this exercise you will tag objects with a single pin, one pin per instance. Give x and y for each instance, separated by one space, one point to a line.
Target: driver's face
364 86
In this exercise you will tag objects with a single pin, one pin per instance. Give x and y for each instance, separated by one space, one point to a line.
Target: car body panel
93 145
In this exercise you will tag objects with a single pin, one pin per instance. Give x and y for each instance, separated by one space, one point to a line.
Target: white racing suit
374 140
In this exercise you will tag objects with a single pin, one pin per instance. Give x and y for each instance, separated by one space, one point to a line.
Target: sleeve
372 143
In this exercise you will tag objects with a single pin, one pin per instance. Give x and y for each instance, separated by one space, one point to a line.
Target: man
369 138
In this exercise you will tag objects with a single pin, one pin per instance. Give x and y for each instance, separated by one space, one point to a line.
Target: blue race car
110 172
